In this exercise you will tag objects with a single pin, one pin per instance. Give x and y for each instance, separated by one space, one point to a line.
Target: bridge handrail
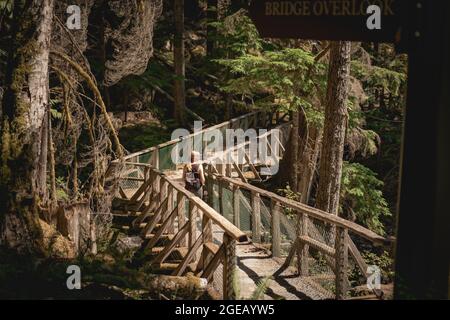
159 189
310 211
155 198
192 135
218 219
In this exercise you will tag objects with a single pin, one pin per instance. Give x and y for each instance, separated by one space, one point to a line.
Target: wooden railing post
236 207
157 190
303 248
256 217
341 246
147 175
276 230
207 237
163 186
220 168
181 215
229 266
192 232
154 158
210 188
221 206
162 189
264 119
152 177
169 207
228 170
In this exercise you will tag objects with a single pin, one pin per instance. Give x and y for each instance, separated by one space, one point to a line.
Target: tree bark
336 116
289 163
179 63
294 155
23 127
308 162
210 30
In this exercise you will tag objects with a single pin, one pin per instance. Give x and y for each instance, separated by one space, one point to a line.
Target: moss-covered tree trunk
179 62
331 159
23 187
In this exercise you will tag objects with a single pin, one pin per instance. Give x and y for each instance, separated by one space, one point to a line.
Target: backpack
193 179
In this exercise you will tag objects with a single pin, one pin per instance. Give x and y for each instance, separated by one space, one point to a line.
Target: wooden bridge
242 234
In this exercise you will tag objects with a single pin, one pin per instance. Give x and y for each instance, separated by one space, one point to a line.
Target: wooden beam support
236 207
321 247
167 223
303 248
276 229
154 220
229 268
192 221
341 247
256 217
189 257
208 272
168 248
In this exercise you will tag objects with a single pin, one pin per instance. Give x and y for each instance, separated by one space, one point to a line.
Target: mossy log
188 287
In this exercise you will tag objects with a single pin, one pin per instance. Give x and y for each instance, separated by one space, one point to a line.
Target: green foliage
236 36
261 72
143 136
384 261
61 186
286 79
292 195
378 77
6 6
157 74
361 197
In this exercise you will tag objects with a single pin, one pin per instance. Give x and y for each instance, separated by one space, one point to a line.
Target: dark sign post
422 29
328 19
423 223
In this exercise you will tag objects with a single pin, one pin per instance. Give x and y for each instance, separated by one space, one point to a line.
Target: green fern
261 288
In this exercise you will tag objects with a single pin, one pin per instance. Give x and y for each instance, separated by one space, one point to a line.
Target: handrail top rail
220 154
174 141
310 211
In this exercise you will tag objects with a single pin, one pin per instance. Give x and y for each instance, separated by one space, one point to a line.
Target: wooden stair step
125 205
162 241
127 228
176 254
164 236
170 266
120 213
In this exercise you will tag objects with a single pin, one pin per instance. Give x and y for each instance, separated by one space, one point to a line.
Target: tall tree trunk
23 127
336 116
309 156
294 152
103 58
179 63
211 16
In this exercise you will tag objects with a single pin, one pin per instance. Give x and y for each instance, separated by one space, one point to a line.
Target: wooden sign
352 20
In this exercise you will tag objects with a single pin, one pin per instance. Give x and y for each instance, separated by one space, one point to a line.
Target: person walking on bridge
193 175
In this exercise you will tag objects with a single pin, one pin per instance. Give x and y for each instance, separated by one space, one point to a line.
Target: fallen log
187 287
